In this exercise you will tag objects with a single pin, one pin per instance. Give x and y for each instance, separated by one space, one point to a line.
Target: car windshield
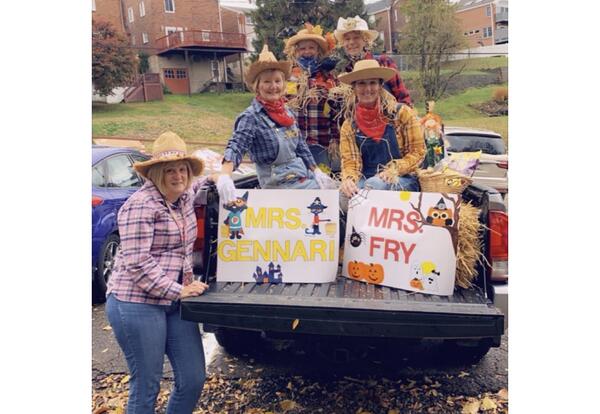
467 143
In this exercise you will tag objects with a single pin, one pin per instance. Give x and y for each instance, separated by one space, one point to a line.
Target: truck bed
346 307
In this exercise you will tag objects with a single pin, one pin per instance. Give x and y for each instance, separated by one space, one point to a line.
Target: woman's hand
348 187
226 188
389 176
195 288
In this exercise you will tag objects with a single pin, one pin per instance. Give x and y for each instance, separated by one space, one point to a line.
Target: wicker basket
447 181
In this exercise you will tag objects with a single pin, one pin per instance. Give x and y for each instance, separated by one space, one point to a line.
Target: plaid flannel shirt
409 134
317 119
152 254
252 134
395 85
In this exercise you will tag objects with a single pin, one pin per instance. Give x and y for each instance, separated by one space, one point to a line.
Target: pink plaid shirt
152 253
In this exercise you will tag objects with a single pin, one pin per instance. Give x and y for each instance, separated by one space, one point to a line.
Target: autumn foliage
114 63
501 94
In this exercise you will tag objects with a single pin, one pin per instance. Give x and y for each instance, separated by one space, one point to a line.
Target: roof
468 4
377 7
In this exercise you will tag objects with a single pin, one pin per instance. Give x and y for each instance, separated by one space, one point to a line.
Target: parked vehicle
113 181
242 314
493 165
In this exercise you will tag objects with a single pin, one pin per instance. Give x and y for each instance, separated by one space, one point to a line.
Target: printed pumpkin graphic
373 273
355 269
416 283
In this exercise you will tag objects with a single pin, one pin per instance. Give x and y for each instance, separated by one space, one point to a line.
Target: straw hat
310 32
352 24
266 60
367 69
169 147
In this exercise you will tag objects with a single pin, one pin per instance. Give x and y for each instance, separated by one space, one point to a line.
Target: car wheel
106 260
460 353
238 342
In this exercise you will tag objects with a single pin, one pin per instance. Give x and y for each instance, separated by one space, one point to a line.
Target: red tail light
200 213
498 223
96 201
503 164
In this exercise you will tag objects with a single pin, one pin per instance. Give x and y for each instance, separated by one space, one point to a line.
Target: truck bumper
501 301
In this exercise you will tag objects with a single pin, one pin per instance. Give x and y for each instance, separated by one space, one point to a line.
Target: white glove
226 189
325 181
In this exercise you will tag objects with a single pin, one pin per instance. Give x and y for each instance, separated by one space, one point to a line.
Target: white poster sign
274 236
403 239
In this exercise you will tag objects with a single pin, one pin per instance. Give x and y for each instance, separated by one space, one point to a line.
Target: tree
432 34
114 63
277 20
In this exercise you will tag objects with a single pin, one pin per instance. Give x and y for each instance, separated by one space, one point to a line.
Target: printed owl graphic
439 215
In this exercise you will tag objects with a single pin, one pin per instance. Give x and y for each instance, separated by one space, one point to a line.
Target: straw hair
169 147
367 69
266 60
469 250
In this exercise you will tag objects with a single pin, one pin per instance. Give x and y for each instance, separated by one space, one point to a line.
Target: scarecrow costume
393 85
384 139
268 131
308 91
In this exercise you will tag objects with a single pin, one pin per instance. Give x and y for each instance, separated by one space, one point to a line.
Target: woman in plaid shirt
157 226
381 141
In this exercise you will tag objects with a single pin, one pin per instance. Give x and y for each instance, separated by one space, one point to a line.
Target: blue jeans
404 183
145 333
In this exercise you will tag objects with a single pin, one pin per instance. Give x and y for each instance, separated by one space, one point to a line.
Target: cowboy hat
266 60
310 32
352 24
169 147
367 69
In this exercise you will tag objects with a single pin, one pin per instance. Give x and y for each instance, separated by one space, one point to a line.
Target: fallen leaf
394 411
107 328
471 407
125 379
295 324
290 386
463 374
503 394
287 405
488 404
105 350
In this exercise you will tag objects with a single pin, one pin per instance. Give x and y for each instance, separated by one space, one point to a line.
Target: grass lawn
201 117
210 117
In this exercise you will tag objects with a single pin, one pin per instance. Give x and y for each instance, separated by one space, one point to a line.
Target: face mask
310 64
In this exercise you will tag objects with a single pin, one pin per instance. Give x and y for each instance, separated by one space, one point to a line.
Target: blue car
113 181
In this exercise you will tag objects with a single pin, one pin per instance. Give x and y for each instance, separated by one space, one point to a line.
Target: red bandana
371 121
276 111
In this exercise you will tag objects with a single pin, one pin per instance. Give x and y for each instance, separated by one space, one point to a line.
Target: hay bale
469 251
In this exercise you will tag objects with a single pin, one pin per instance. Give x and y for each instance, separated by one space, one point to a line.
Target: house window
170 6
170 73
180 74
93 5
487 32
248 19
130 14
488 11
144 37
170 30
142 9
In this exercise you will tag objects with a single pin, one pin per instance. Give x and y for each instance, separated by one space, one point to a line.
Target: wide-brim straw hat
353 24
367 69
310 32
266 60
169 147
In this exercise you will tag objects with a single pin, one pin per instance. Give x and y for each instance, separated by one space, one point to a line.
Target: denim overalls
376 155
288 169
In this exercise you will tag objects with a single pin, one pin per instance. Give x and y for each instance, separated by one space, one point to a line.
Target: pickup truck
241 315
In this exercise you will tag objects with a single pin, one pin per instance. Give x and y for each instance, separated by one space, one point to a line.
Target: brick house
385 17
109 10
187 44
484 22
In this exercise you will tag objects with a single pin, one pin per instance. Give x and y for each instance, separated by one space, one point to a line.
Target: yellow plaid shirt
409 134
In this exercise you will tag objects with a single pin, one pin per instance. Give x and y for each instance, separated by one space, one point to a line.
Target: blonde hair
291 51
257 79
156 174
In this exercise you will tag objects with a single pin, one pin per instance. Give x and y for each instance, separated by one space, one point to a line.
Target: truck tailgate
345 307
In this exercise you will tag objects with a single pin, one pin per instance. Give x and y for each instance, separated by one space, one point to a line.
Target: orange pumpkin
416 283
373 273
355 269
